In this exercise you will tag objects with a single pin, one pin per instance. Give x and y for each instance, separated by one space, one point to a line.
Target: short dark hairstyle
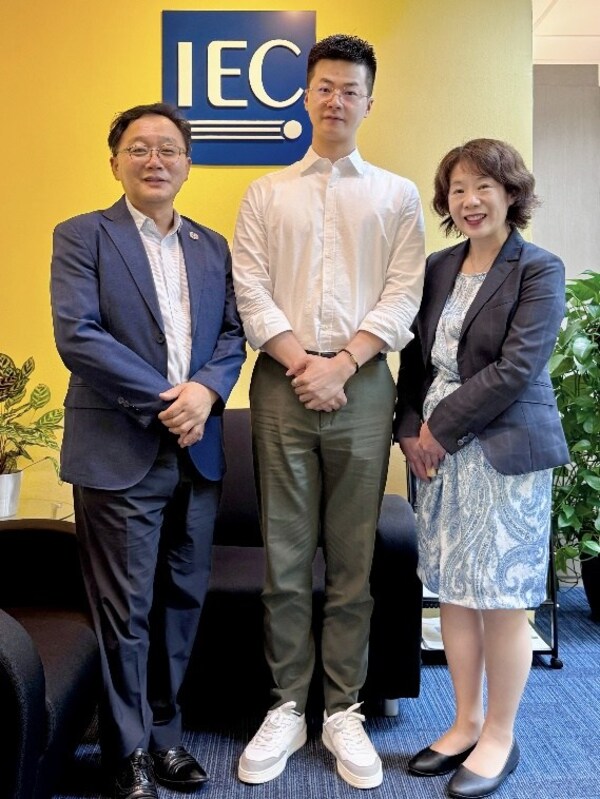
122 121
497 160
341 47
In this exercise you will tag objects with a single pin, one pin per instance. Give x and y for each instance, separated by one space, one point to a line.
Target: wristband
352 358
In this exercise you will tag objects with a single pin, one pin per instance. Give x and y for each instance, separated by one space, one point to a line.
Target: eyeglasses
349 96
166 153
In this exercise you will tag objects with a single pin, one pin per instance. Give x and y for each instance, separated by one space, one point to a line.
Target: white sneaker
282 732
357 761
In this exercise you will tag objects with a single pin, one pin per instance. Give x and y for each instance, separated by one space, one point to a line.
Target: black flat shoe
135 779
466 784
176 768
429 763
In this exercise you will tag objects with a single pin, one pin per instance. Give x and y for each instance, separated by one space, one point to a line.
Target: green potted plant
22 427
575 371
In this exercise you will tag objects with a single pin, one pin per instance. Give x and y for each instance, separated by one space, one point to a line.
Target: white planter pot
10 489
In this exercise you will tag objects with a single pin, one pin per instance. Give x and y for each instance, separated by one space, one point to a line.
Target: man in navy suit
145 320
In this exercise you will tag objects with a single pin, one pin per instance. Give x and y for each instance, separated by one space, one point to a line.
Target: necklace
473 268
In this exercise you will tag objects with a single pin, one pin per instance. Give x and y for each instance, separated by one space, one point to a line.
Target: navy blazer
505 397
109 333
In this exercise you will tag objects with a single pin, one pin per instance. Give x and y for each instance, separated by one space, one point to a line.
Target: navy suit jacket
109 333
505 397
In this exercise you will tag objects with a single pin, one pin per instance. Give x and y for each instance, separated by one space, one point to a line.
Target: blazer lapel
194 252
503 265
121 228
443 277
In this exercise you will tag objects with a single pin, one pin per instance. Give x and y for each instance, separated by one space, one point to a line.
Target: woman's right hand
415 457
433 452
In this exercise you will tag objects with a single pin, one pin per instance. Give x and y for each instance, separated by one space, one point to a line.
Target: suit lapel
505 262
194 252
123 231
443 278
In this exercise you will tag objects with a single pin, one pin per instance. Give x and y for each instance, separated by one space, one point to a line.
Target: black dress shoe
135 778
429 763
466 784
177 769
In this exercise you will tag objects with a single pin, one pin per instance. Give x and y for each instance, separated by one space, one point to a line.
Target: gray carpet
558 730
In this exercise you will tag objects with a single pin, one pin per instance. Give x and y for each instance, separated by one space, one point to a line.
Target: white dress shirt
325 250
167 264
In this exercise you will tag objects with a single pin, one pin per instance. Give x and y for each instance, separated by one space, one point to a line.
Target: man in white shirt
328 269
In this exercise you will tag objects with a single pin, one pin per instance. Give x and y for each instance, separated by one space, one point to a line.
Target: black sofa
49 662
49 659
228 672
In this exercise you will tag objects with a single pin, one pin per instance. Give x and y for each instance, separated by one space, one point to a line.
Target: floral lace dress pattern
483 536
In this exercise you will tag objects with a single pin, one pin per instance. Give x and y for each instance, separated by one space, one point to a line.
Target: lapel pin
193 235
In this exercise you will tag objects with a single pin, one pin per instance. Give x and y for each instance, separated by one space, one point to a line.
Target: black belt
379 357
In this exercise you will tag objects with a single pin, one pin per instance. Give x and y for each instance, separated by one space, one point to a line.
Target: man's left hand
190 407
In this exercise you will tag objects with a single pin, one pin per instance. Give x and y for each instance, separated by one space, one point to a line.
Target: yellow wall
448 71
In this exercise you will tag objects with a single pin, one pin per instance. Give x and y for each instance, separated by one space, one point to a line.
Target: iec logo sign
239 78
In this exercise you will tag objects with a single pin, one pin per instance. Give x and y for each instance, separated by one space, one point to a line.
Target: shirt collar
312 162
143 221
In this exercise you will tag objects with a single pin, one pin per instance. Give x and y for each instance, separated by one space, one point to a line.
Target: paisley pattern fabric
483 536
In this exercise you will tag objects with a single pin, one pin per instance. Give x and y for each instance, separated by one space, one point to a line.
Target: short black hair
342 47
122 121
497 160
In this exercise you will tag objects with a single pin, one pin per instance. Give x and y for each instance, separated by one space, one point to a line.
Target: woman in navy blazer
477 420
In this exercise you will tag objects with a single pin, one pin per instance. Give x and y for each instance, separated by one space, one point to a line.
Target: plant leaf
592 480
40 396
583 347
50 419
583 445
28 367
590 547
558 364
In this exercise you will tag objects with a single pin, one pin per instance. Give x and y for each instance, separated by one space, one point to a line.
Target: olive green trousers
320 480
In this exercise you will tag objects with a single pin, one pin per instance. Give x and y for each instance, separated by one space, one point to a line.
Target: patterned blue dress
483 536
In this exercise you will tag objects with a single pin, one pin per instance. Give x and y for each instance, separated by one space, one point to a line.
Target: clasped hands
319 382
423 453
190 407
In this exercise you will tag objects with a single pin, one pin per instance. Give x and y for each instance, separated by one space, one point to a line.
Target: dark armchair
49 661
228 668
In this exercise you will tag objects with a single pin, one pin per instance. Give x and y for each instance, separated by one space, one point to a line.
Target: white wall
566 163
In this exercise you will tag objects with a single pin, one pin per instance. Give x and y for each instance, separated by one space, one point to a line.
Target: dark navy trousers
146 555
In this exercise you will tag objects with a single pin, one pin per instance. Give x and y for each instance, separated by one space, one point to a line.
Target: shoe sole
186 786
506 772
429 773
456 795
258 777
355 780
